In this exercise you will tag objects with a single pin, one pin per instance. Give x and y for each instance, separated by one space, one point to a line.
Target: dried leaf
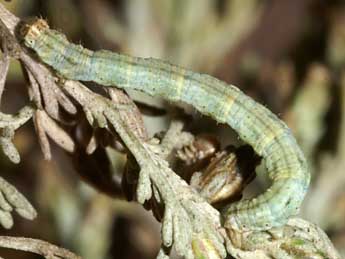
42 138
12 199
51 92
130 112
17 200
34 88
55 132
6 219
92 145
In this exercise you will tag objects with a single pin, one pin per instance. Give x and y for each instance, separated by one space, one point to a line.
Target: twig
187 215
4 65
36 246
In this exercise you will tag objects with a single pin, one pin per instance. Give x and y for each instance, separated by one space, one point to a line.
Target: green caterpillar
255 124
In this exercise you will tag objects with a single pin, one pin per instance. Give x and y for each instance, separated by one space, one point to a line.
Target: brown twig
36 246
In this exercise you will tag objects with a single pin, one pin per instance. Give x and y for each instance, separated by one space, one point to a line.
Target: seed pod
197 155
203 147
226 176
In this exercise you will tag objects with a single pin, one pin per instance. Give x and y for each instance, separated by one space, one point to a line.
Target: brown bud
203 147
227 174
197 155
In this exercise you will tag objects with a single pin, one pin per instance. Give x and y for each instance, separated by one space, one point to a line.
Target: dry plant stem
169 184
46 94
10 198
51 93
8 19
187 215
4 65
34 89
45 83
42 137
131 114
43 91
40 247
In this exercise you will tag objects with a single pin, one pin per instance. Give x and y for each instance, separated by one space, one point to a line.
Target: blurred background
286 54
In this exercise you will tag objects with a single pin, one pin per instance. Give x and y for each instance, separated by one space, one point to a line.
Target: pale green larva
255 124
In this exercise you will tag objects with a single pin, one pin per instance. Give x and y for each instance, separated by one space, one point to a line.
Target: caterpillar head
31 31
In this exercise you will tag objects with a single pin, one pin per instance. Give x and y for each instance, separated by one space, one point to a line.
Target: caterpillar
255 124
